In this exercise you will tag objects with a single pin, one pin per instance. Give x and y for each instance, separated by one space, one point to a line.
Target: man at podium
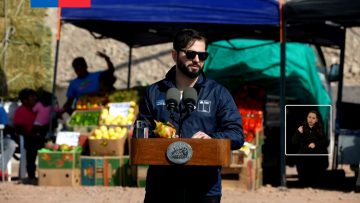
197 107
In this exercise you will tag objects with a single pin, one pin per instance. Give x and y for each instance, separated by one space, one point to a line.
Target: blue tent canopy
143 22
263 12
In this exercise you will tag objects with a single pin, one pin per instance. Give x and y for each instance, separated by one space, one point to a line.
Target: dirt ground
332 191
19 193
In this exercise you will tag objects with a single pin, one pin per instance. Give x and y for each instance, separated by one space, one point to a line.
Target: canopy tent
140 23
342 12
321 22
258 61
143 22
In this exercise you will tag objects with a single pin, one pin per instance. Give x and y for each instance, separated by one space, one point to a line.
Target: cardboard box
142 171
130 172
107 147
101 170
106 171
58 160
141 182
141 175
249 176
59 177
84 143
237 158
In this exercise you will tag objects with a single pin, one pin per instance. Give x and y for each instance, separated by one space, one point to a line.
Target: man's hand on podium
201 135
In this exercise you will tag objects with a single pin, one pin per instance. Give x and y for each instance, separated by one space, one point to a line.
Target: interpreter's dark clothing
310 136
310 166
216 115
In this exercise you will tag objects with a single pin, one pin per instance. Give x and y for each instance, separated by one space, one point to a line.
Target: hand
300 129
201 135
102 54
312 145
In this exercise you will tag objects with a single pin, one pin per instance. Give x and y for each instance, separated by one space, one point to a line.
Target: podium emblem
179 152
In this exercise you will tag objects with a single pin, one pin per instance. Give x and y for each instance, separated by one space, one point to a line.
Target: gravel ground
16 193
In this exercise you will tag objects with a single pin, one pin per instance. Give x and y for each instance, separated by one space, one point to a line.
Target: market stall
94 148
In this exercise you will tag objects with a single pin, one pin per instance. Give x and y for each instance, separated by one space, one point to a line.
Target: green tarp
238 61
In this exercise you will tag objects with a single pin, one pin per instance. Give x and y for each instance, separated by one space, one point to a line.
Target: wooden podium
204 152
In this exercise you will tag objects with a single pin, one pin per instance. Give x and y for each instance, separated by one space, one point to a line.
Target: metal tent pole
282 95
55 73
2 152
338 103
129 67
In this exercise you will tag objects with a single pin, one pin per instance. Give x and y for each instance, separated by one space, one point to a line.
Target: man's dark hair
26 93
79 62
186 36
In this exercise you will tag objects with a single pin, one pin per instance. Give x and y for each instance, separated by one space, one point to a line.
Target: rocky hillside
152 62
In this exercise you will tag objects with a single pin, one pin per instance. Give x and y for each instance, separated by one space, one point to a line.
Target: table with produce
100 126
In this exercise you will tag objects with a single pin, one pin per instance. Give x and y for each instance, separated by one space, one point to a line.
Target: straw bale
29 49
12 6
32 63
1 29
29 30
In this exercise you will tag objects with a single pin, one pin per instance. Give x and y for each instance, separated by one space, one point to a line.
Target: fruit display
85 118
126 117
91 102
252 121
50 146
111 133
125 96
165 130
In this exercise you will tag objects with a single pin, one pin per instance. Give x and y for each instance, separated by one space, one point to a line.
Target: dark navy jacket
216 114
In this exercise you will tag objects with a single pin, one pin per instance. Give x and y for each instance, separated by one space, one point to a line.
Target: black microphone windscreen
190 95
173 95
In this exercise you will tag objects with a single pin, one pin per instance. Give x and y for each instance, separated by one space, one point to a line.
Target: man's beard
182 67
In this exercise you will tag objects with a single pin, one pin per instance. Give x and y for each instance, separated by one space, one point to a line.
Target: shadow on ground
332 180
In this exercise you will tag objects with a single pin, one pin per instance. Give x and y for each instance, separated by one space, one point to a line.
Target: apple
64 147
56 147
49 145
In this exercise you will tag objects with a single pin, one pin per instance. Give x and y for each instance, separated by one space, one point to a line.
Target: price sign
69 138
121 108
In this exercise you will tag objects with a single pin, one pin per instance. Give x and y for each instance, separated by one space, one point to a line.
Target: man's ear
174 54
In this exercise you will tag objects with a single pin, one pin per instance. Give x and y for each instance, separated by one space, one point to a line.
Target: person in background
23 121
44 114
310 139
8 143
86 82
106 82
215 116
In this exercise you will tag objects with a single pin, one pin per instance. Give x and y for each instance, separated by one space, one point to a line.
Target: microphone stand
180 119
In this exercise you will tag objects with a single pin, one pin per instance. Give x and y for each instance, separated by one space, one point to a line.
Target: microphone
190 99
172 99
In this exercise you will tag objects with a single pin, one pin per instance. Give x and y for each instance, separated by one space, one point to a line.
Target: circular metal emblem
179 152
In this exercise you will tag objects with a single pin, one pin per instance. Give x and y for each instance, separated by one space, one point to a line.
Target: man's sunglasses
191 54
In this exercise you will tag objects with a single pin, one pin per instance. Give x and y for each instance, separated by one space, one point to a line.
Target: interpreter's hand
312 145
300 129
102 54
201 135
